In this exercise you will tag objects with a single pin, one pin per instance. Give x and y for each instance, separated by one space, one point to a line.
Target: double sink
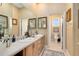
29 38
25 40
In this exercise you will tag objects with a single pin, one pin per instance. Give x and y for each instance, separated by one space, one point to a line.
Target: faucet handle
4 41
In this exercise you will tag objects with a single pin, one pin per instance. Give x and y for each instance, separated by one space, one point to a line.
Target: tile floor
56 47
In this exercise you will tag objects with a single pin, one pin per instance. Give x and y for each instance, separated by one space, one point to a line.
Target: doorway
57 27
56 30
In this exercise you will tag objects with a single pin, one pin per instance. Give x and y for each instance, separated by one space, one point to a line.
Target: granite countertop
19 45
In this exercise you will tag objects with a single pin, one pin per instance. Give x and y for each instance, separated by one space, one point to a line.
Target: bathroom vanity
31 46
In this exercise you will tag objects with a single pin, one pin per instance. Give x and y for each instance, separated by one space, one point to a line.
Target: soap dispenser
13 38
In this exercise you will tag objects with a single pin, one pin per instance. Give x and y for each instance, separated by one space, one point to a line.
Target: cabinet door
24 52
35 52
43 42
39 47
29 50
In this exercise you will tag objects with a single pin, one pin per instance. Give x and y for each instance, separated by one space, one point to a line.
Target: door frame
64 31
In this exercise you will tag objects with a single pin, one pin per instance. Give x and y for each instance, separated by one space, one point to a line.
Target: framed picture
14 21
4 21
42 22
32 23
39 23
68 15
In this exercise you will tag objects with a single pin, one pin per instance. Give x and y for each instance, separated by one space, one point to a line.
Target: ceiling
43 8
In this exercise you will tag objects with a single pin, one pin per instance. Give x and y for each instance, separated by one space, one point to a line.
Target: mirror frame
6 20
40 22
29 21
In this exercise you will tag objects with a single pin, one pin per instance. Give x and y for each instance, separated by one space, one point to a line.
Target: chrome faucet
7 42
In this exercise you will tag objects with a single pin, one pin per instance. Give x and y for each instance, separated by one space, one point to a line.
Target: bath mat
48 52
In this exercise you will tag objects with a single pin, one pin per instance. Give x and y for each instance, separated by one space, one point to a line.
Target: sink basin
30 37
38 35
26 39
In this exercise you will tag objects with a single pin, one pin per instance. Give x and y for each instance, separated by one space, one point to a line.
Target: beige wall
6 9
15 15
25 13
70 38
73 31
76 29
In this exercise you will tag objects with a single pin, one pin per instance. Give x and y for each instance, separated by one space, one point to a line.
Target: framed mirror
4 21
3 24
42 22
32 23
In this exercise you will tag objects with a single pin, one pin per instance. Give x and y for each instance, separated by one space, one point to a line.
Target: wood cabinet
38 47
29 50
34 49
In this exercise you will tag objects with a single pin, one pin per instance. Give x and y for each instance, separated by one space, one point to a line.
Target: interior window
55 24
